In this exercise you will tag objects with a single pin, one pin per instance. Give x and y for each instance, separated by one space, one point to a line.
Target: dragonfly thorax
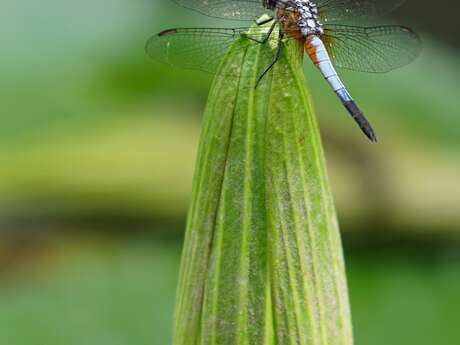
305 12
308 18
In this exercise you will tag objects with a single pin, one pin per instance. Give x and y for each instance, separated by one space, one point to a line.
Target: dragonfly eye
270 4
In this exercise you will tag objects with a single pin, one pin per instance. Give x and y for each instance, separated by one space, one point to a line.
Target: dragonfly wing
371 49
192 48
227 9
202 48
346 11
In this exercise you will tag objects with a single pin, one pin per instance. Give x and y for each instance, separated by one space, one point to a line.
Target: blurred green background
97 147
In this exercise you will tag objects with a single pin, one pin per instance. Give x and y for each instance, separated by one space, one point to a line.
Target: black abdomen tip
360 119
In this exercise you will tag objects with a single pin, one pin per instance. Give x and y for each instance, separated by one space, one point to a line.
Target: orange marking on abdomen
311 51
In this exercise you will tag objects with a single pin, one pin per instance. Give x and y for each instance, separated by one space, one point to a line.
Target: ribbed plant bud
262 262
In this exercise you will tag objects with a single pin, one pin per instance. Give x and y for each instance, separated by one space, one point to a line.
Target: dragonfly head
270 4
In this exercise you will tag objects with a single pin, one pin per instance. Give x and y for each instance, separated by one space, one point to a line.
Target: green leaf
262 260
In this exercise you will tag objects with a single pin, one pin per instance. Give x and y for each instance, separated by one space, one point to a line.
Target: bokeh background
97 147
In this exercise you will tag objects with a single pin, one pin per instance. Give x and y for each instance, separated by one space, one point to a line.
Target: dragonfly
332 33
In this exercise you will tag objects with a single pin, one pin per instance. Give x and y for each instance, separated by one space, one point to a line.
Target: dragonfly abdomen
319 56
317 52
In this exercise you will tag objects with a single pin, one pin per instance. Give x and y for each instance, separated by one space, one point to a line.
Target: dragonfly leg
268 34
275 58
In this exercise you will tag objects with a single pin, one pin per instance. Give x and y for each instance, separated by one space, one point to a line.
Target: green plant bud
262 261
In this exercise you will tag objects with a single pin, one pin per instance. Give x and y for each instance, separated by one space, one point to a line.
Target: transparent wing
347 11
227 9
371 49
192 48
200 48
